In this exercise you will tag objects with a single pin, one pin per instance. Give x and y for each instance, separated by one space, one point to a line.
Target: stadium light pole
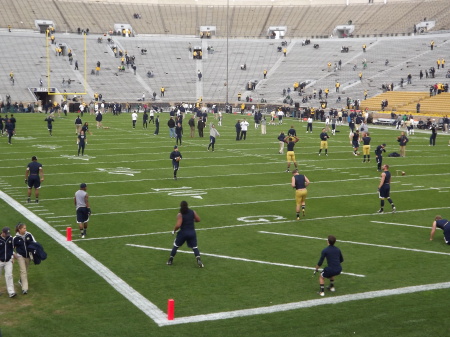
226 80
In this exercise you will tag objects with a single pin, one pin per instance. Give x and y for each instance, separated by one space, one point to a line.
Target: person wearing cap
81 201
34 174
6 259
379 155
176 156
21 242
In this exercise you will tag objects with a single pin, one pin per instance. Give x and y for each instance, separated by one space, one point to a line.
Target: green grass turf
132 192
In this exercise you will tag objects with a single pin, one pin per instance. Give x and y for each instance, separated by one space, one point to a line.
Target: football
403 173
177 158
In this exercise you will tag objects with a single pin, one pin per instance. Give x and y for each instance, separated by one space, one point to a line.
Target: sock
331 284
322 288
298 215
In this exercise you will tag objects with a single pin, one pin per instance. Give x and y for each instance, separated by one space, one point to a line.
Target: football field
259 260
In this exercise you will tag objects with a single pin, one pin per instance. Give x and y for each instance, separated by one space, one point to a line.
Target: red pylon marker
170 309
69 233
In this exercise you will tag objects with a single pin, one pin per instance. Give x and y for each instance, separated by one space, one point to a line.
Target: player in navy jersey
176 156
81 141
441 224
178 133
299 182
9 128
355 142
49 121
34 174
78 125
334 259
366 147
185 230
384 188
290 154
324 142
379 155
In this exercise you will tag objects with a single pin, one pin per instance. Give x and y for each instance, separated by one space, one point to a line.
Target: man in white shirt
134 117
244 127
280 115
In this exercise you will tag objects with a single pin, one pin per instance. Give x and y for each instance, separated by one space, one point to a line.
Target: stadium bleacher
166 40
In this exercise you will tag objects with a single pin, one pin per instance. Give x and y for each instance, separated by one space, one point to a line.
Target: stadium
304 57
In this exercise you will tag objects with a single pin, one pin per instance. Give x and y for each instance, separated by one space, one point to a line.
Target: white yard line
258 223
401 224
359 243
307 304
116 282
239 259
256 202
160 318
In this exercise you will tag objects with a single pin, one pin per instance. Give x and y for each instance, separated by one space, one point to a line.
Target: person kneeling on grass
442 224
334 259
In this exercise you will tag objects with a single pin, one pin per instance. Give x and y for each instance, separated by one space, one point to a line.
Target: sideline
159 316
116 282
308 304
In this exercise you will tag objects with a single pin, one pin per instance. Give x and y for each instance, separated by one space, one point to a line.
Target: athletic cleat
12 295
174 178
287 170
303 212
28 200
82 236
321 293
24 292
380 210
170 261
319 154
37 201
199 262
298 218
332 289
394 210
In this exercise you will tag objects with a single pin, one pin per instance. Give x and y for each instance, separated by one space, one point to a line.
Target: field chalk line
159 316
